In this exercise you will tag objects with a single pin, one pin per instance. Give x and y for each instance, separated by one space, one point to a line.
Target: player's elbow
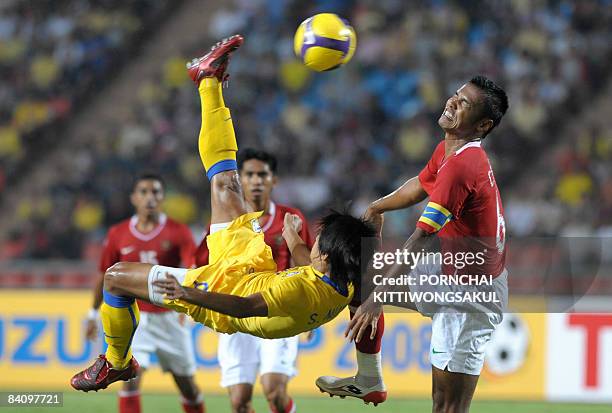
252 306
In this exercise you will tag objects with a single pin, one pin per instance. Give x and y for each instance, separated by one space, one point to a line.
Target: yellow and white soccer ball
324 42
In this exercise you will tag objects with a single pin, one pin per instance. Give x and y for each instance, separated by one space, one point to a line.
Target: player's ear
484 126
274 180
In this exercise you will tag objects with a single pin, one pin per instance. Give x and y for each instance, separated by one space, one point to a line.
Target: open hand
367 314
169 287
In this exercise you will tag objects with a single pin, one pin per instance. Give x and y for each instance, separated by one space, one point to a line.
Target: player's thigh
452 392
278 356
128 278
238 356
226 197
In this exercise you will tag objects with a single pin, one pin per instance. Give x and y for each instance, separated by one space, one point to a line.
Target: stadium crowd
351 134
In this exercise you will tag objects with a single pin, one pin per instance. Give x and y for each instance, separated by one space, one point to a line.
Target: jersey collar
150 235
342 291
272 213
473 144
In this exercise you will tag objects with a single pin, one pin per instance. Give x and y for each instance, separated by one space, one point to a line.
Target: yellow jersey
299 299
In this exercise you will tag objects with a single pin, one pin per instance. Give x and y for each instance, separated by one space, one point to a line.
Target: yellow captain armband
435 216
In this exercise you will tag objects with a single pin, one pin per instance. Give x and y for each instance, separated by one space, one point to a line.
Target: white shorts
459 335
162 334
242 356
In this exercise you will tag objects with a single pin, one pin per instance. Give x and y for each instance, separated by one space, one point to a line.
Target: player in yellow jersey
239 291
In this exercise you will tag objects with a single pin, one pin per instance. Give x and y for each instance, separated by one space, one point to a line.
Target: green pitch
154 403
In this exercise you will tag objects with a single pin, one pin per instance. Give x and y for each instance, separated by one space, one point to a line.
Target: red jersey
170 243
466 207
273 235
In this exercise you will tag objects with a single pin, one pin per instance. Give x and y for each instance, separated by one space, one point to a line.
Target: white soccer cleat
336 386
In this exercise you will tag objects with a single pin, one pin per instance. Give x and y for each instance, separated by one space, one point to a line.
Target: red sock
368 345
129 401
193 406
290 408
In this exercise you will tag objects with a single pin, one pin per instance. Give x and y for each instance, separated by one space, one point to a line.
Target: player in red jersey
151 237
466 212
240 355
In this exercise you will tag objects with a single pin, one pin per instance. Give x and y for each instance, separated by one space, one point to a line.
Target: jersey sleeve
187 247
110 252
427 176
450 190
284 297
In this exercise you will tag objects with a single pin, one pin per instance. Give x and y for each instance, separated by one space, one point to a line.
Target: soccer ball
324 42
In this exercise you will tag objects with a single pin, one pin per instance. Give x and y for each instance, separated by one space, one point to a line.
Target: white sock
369 369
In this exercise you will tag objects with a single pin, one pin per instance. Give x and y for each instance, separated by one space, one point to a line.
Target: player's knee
241 402
276 397
439 400
227 180
444 404
115 276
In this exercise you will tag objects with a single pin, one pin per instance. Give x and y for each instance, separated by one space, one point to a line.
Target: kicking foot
101 373
336 386
215 62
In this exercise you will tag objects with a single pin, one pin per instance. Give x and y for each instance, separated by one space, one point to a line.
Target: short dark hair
250 153
340 238
148 176
495 102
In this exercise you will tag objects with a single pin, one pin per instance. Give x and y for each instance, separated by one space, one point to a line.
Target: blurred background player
150 236
241 355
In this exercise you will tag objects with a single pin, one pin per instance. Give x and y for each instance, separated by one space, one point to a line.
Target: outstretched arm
410 193
240 307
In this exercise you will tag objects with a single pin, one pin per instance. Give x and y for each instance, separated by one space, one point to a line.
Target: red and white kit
465 202
160 331
242 356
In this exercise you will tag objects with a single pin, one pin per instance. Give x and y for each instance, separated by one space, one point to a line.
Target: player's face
316 259
461 115
147 197
257 181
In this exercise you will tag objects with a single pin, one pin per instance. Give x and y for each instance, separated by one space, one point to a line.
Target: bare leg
226 198
241 396
128 279
452 392
192 398
275 389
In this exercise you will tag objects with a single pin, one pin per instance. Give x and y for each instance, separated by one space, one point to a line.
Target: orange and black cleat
101 374
215 62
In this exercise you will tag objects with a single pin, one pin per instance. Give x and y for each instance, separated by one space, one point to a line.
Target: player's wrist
374 209
93 314
293 239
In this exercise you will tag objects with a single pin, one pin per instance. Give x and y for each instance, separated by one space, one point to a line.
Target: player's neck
260 205
147 222
453 143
